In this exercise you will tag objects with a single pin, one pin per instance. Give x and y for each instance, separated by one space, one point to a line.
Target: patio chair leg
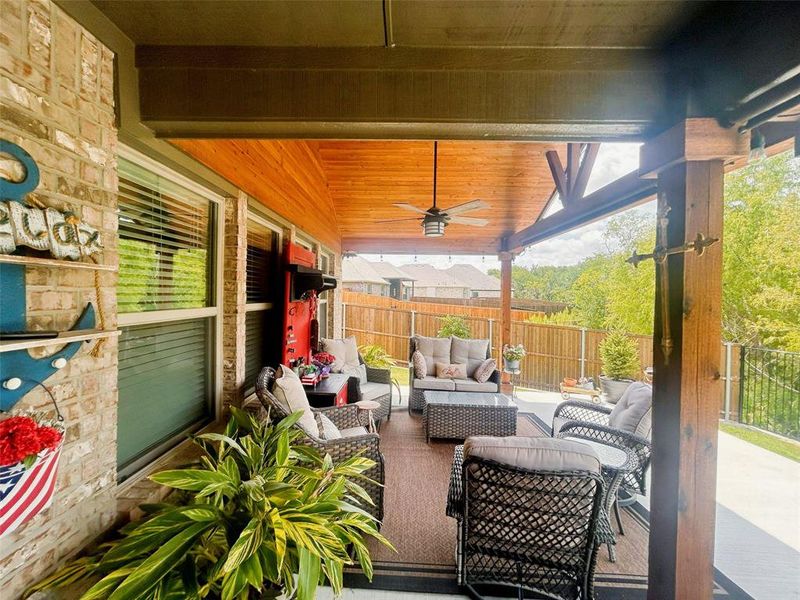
619 519
612 552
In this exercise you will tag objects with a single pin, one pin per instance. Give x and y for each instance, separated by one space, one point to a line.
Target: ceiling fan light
433 227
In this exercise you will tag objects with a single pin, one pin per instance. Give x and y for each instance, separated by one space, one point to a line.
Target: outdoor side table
616 462
368 406
458 415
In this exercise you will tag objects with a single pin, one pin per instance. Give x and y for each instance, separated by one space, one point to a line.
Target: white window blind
164 245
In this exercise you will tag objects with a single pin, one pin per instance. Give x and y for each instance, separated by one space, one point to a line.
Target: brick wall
234 300
56 101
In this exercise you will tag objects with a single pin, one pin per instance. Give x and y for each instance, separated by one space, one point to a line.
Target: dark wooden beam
618 195
399 92
687 382
557 170
573 161
584 171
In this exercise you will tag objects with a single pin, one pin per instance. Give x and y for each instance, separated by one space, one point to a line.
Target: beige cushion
359 371
291 396
469 352
633 412
433 349
534 453
454 371
470 385
432 383
372 390
353 432
485 370
419 364
345 351
327 428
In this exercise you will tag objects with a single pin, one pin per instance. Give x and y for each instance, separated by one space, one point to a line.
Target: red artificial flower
325 358
22 437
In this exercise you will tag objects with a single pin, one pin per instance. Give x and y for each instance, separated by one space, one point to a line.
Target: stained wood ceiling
339 191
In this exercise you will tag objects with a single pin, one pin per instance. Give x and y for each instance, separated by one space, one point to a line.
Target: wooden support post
505 309
687 384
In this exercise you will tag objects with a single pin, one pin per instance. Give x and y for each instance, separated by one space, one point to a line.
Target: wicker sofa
471 352
354 440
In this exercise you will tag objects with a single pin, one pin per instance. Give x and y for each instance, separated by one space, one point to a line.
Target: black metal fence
770 390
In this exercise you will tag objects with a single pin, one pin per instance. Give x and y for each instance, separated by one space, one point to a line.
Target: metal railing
770 390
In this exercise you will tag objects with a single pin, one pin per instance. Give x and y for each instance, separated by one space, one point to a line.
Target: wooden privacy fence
554 351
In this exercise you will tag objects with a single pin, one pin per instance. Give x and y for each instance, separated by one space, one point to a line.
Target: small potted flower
512 355
30 446
323 360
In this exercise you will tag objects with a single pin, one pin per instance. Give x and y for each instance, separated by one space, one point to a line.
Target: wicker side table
458 415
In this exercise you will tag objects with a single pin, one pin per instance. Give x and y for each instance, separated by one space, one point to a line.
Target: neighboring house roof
358 270
430 276
474 278
389 271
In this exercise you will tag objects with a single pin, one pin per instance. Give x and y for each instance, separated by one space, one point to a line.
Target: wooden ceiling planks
338 191
284 175
365 178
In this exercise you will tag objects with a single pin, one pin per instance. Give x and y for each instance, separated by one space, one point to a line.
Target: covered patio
213 153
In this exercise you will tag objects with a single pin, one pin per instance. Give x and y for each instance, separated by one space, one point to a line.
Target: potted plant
512 355
619 356
323 360
259 517
376 356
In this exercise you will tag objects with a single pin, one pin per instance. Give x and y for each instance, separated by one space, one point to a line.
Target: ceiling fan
436 219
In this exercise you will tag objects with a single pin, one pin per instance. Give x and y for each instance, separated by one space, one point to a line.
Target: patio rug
417 477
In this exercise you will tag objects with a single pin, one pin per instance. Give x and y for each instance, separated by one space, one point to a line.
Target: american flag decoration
27 491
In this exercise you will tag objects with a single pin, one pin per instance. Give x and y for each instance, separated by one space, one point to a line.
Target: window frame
254 215
212 313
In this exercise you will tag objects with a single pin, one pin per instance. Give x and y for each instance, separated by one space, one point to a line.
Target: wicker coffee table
458 415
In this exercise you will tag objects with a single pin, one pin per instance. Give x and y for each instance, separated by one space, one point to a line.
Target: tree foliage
761 265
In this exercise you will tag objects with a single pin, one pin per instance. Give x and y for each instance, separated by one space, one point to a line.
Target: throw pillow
485 370
456 371
359 371
327 429
419 364
345 351
292 397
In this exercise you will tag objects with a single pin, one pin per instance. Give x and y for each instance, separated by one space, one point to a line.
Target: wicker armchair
529 527
355 438
377 388
595 421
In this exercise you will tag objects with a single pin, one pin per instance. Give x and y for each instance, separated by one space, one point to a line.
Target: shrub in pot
376 356
258 510
512 355
619 356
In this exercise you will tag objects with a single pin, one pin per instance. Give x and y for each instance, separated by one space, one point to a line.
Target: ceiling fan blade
407 206
469 221
398 220
467 206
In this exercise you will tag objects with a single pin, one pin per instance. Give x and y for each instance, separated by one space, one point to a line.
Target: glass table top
469 399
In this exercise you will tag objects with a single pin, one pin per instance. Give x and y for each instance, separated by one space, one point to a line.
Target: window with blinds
167 311
163 384
164 243
262 283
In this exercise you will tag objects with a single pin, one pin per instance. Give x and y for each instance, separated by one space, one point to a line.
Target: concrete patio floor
758 516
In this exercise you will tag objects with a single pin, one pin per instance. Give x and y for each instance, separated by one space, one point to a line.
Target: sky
613 161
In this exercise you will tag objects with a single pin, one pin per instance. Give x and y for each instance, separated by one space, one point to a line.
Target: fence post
491 337
583 352
728 379
413 323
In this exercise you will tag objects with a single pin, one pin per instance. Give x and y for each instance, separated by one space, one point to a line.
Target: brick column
234 300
